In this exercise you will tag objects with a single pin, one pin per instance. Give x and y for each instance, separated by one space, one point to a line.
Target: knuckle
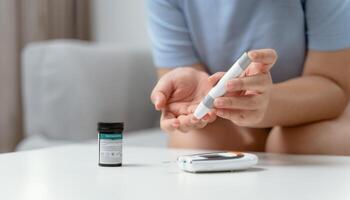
183 110
253 102
244 119
241 117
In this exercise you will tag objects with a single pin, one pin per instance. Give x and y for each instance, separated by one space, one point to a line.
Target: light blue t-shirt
216 32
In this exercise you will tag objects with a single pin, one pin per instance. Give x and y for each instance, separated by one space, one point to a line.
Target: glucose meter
217 161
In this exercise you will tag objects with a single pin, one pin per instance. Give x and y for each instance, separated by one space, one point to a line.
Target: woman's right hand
176 94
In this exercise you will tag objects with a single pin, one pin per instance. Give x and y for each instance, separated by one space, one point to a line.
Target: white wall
121 22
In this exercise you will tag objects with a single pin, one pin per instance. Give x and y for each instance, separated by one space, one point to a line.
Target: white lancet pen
220 88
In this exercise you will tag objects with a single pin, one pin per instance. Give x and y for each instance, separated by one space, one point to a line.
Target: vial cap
110 126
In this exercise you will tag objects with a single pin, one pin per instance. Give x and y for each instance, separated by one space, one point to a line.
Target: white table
71 172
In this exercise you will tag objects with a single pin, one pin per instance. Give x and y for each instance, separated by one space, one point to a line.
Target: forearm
303 100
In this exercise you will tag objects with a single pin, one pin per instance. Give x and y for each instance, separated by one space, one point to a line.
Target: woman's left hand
246 100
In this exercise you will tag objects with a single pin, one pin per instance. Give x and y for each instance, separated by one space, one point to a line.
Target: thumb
161 93
213 79
263 59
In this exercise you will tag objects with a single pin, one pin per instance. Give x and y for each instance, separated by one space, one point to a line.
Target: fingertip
212 117
266 56
211 80
157 107
155 101
211 114
159 100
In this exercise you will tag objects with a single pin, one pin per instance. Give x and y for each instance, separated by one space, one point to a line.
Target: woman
297 106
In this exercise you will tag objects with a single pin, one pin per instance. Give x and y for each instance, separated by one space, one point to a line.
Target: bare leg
221 135
326 137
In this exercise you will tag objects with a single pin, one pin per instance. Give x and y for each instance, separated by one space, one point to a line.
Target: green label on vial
116 136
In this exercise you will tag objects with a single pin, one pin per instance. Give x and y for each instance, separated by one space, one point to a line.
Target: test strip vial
110 143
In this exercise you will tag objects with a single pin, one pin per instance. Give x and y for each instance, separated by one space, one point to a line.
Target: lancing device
237 68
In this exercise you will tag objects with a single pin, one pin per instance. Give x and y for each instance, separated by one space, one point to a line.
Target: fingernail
253 54
157 101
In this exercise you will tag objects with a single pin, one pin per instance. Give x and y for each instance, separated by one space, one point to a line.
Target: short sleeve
327 24
171 42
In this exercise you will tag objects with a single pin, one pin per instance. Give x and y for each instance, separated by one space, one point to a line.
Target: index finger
257 82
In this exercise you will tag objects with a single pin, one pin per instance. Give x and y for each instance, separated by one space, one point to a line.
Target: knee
318 138
276 142
287 140
324 137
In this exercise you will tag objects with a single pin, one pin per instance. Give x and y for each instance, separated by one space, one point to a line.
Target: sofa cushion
68 86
